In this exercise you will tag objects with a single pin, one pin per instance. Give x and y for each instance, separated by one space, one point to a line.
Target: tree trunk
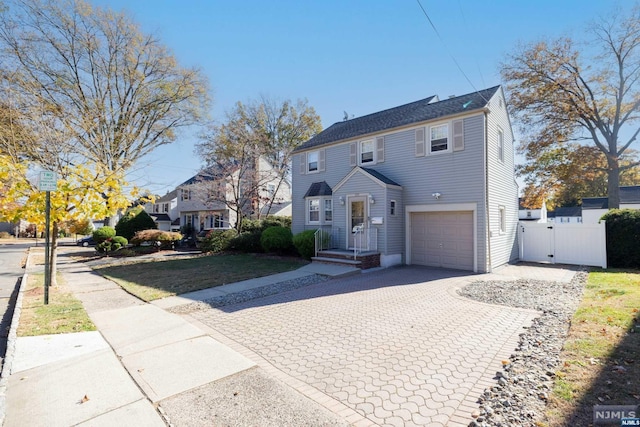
53 252
613 182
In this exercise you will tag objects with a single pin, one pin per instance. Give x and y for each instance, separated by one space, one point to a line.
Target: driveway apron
398 346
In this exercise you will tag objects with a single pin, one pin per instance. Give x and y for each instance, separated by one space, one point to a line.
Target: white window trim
449 138
502 219
317 169
374 156
500 145
321 212
393 207
324 210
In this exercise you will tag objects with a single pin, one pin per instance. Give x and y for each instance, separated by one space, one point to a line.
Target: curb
11 344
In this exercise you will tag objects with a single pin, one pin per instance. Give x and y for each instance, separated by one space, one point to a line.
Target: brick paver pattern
398 346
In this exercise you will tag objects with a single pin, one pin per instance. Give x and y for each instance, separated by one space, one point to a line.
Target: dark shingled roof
160 217
595 203
378 175
319 189
415 112
176 221
568 211
168 197
628 194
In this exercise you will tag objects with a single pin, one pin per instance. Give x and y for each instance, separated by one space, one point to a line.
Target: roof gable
419 111
373 175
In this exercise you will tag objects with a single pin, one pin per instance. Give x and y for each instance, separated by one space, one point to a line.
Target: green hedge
276 239
305 243
217 240
103 233
623 238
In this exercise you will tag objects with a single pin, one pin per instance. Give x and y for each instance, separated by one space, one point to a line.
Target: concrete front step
339 261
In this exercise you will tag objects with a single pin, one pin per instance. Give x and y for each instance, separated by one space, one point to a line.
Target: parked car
86 241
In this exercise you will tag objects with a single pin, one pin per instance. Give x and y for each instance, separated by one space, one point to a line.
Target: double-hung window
328 210
367 151
314 211
439 138
503 219
500 145
312 161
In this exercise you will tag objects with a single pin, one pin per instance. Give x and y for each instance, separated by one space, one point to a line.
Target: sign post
48 182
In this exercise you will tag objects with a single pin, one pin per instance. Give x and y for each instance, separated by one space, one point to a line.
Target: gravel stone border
249 294
523 385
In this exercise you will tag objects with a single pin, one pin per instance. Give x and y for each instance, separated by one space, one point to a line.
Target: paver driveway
397 346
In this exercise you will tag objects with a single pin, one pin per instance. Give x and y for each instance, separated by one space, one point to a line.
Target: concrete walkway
390 347
120 374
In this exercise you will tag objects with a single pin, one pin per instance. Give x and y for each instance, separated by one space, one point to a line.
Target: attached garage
442 239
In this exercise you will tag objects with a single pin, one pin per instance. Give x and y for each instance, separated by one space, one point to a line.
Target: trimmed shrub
276 239
217 240
103 233
160 239
4 235
136 219
623 234
122 241
246 242
305 243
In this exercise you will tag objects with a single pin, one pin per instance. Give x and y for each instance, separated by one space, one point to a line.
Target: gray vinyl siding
458 176
394 224
502 188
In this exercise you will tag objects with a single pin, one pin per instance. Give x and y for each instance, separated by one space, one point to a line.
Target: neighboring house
14 228
164 211
594 207
194 196
568 215
534 215
430 183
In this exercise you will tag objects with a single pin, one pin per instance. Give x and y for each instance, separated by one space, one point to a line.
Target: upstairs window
392 207
366 152
165 207
185 194
312 161
439 138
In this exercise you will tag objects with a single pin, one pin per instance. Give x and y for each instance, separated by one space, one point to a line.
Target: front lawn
601 356
154 280
63 314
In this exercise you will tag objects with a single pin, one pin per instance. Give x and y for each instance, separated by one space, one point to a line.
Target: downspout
486 191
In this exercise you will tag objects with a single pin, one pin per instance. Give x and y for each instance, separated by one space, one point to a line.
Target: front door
357 221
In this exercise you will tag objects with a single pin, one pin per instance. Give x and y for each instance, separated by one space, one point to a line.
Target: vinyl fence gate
578 244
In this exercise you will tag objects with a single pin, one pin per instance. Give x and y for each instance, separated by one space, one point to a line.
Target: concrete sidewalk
119 374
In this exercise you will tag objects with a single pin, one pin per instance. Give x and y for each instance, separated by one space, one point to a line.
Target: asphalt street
11 272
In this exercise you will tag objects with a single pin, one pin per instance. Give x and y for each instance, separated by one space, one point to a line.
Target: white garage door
442 239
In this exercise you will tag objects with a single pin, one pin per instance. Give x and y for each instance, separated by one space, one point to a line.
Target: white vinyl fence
579 244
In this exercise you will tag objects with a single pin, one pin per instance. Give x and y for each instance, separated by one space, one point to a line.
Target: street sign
48 181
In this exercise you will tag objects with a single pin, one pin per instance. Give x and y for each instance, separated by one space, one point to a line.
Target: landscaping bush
103 233
305 243
4 235
276 239
623 234
217 240
160 239
246 242
136 219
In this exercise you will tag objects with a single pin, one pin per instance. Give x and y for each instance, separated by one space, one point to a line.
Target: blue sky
358 56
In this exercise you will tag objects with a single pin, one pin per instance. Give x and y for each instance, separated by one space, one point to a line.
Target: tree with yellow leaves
561 94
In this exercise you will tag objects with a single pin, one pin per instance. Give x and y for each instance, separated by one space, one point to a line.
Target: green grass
63 314
154 280
602 352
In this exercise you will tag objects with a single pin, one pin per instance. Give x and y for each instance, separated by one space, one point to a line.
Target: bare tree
117 93
560 94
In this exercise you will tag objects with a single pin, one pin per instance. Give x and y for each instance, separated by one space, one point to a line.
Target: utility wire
448 51
466 27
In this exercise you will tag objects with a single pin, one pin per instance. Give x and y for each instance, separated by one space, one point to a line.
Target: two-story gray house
429 183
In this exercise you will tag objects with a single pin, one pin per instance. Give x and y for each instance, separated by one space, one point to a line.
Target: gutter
486 191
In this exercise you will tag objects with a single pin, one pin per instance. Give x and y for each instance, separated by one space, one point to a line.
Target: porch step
340 261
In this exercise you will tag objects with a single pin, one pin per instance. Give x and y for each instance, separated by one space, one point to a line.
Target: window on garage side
500 145
439 138
392 207
503 219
